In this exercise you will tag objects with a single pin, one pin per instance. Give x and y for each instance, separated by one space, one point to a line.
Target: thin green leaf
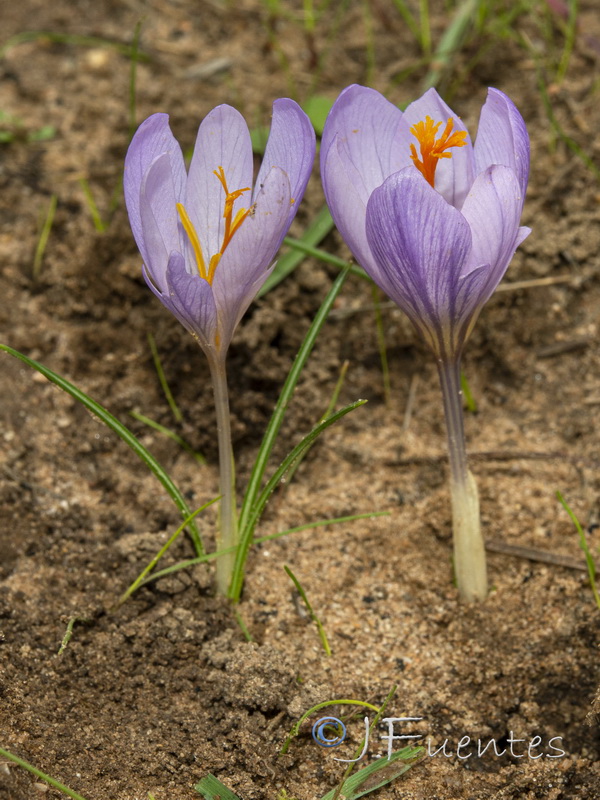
589 558
317 108
141 578
260 465
211 788
378 774
190 562
39 774
309 608
44 235
163 380
171 434
113 423
255 511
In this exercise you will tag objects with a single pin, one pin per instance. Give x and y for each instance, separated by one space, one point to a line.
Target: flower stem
469 548
227 533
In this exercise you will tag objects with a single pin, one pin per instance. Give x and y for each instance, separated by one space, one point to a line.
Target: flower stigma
232 225
433 149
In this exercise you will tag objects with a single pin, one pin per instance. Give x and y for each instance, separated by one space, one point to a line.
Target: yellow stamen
433 149
232 224
194 240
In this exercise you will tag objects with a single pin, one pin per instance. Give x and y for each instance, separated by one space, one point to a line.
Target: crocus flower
433 219
207 239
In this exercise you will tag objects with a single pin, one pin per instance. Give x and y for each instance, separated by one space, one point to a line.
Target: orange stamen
232 225
433 149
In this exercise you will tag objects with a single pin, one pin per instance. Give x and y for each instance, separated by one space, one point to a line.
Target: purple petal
223 141
291 147
348 209
158 218
421 243
190 299
244 266
453 176
372 132
502 137
493 211
152 139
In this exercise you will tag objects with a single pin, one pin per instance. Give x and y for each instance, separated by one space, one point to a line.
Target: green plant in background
589 558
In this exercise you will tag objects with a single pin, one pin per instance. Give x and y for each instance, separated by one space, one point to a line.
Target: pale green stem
227 532
469 548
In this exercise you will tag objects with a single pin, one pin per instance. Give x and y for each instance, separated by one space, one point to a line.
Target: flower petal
493 211
152 138
372 132
291 147
453 176
502 138
244 266
421 243
191 300
223 141
158 217
349 211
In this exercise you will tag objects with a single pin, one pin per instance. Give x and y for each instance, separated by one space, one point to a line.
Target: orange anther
431 148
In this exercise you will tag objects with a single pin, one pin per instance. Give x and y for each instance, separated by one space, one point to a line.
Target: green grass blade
99 223
318 229
254 511
141 578
270 436
171 434
39 774
589 558
163 379
113 423
70 38
309 608
211 788
44 235
451 41
377 774
191 562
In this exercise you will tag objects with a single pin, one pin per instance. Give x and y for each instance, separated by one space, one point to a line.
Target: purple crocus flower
433 219
208 240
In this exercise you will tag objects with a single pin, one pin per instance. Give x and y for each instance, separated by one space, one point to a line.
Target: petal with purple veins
373 134
223 141
421 243
291 147
152 139
502 137
190 298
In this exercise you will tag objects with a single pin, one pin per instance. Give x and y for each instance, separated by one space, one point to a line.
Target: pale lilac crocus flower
435 222
208 239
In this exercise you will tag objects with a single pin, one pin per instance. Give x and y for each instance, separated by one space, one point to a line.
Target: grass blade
589 558
163 379
141 578
113 423
211 788
44 235
309 608
270 436
171 434
39 774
